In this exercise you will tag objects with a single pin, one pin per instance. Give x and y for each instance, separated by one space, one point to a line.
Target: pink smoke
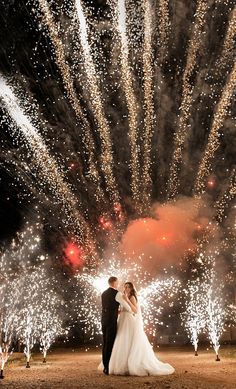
163 239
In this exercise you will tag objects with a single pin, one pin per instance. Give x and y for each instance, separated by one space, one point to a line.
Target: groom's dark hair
111 280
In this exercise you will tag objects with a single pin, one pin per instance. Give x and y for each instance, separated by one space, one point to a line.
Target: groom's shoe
105 371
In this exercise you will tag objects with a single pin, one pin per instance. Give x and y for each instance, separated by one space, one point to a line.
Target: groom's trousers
109 334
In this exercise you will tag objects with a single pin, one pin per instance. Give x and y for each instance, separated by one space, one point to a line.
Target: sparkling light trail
213 144
148 102
229 41
46 166
223 202
67 78
187 95
163 26
194 318
107 162
132 104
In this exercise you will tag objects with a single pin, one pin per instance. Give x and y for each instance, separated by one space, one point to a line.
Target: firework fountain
31 310
215 309
39 313
206 311
194 318
9 319
51 321
14 260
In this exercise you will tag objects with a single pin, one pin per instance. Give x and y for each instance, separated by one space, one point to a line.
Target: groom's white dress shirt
121 301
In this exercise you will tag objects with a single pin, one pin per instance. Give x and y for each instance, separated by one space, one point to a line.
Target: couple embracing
126 349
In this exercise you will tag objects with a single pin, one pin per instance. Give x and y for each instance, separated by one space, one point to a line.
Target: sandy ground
69 369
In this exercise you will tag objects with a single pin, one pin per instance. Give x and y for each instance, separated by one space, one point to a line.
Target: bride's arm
120 299
132 303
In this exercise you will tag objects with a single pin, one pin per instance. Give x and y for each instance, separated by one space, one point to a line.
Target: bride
132 354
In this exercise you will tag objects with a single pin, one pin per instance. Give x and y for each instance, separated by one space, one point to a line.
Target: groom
111 299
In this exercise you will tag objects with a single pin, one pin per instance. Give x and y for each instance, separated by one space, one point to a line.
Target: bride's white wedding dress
132 354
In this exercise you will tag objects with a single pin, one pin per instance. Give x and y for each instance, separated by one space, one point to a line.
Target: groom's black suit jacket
109 307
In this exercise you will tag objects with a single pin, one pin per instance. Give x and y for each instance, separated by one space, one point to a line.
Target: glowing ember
211 183
74 255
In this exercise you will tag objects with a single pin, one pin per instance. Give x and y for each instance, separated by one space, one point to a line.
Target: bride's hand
125 297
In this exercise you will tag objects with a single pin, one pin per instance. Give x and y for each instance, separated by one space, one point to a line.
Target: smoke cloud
163 239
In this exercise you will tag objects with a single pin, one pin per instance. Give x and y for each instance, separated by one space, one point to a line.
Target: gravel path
66 369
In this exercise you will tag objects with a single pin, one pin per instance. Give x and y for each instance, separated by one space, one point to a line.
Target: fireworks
92 285
153 295
148 102
115 105
187 92
96 101
223 202
30 307
23 252
51 321
164 26
154 298
10 293
39 319
74 255
194 318
216 318
126 76
46 167
214 138
229 41
206 309
116 66
87 138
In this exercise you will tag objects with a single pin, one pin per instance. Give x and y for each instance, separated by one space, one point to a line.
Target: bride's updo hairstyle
132 290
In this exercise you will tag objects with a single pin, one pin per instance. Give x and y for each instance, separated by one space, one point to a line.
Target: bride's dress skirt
132 354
